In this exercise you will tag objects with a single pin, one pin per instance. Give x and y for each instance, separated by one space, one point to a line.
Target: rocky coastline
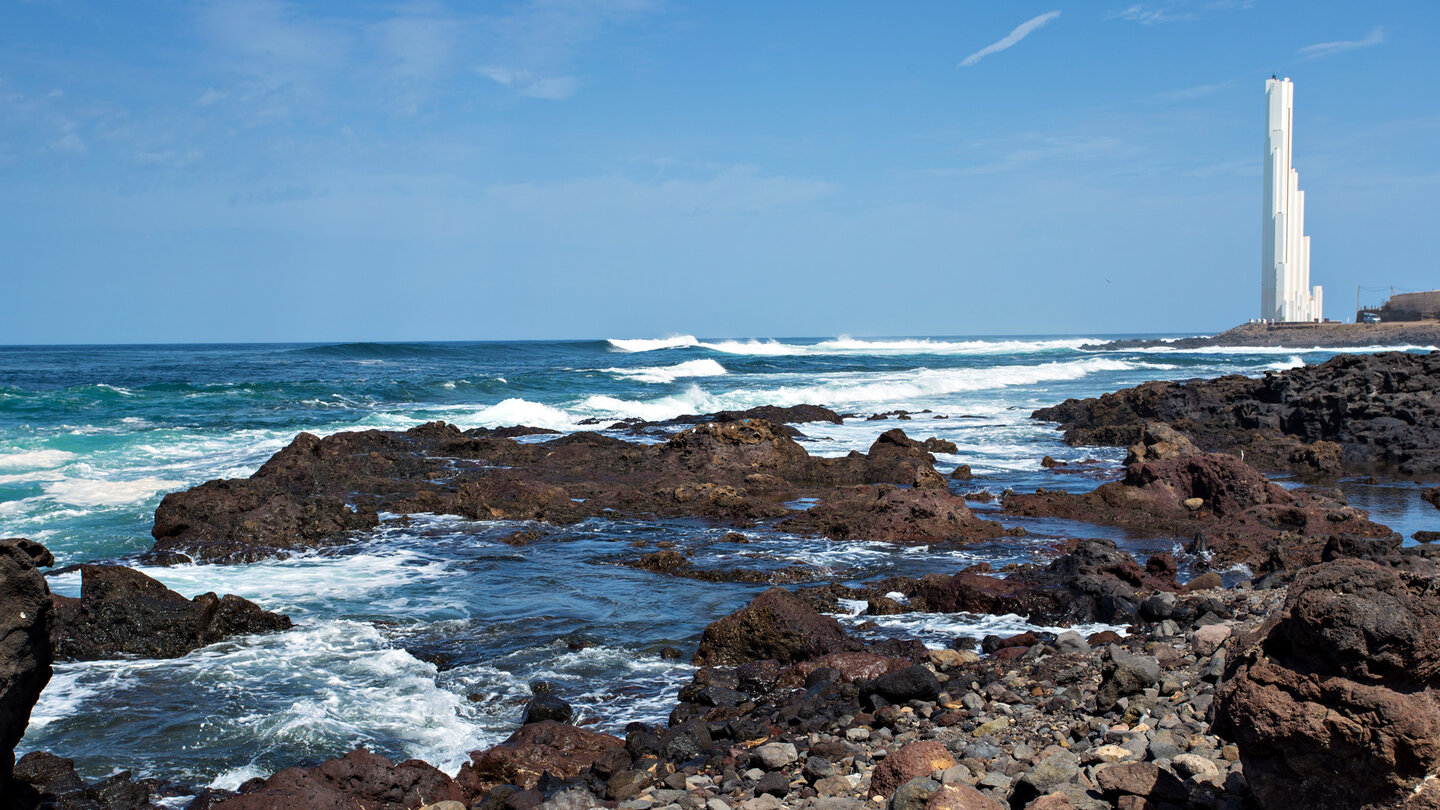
1297 336
1308 682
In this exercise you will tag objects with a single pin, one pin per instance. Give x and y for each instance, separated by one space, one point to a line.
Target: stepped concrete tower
1285 292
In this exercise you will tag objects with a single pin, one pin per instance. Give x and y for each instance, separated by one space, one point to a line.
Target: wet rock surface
1352 412
318 491
359 779
25 655
1218 505
123 612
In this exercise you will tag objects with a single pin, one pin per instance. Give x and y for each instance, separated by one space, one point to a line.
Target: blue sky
257 170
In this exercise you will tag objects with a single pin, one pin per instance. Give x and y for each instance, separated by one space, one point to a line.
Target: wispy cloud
1170 11
528 84
1021 31
1151 15
1319 49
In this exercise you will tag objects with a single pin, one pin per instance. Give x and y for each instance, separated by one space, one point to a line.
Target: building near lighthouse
1285 291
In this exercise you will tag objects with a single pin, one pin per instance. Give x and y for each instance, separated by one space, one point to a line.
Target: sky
255 170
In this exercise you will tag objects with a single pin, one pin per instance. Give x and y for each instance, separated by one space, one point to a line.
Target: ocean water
423 640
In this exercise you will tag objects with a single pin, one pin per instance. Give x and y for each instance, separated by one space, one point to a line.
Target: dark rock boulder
359 780
1218 503
1355 412
895 458
891 514
544 707
561 750
122 611
1433 496
25 655
912 683
1093 581
777 625
1332 702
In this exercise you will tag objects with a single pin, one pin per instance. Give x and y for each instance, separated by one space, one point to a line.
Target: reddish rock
1333 701
891 514
1051 801
963 797
320 491
564 751
853 666
907 762
776 624
359 780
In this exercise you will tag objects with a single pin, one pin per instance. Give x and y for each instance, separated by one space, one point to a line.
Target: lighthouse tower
1285 292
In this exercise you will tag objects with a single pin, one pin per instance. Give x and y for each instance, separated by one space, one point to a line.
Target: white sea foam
764 348
666 374
34 459
848 345
99 492
938 629
314 688
1295 361
644 345
516 411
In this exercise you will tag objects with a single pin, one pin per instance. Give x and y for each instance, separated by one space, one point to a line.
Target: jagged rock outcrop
122 612
1333 703
25 657
360 780
1352 412
319 491
1219 504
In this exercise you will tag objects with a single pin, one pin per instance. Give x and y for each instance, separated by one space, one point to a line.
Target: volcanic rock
1353 412
777 625
1433 496
359 779
124 612
917 515
25 655
1245 518
908 762
320 491
535 749
1332 703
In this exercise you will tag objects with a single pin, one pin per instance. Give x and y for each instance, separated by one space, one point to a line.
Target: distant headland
1327 335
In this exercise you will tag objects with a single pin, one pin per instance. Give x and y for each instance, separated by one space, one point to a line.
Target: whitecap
34 459
764 348
94 492
667 374
848 345
648 345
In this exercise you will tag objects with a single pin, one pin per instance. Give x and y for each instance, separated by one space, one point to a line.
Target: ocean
423 640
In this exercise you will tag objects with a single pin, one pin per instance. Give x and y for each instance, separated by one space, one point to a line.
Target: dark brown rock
124 612
1333 702
777 625
1353 412
1243 516
895 515
359 780
25 654
561 750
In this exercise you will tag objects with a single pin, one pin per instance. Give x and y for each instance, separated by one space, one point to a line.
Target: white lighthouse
1285 292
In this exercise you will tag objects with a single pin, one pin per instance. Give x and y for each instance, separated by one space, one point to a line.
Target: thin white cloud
528 84
211 96
1021 31
1149 15
1319 49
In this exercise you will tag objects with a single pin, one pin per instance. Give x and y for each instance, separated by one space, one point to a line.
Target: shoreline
1030 725
1295 336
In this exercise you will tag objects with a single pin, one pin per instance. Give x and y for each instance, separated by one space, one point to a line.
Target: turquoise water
422 640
